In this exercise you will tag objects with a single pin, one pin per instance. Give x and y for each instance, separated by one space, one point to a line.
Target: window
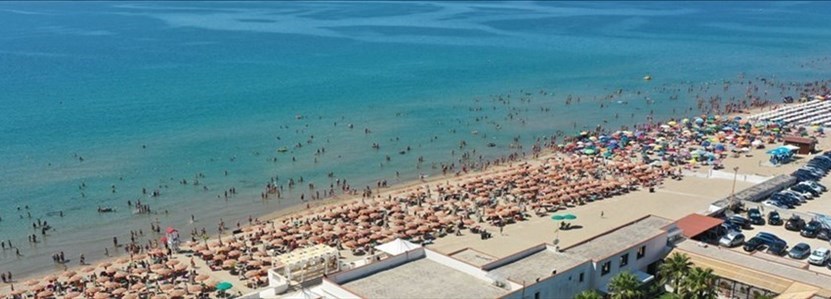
607 266
581 276
642 252
536 295
624 260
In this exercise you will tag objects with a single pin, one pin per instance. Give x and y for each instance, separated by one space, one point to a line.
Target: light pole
733 202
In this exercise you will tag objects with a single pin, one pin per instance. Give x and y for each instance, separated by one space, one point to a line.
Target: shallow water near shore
149 94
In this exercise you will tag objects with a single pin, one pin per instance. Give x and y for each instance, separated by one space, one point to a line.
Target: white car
732 239
819 257
813 185
802 196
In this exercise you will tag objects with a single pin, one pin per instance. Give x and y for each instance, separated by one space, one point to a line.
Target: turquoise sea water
152 93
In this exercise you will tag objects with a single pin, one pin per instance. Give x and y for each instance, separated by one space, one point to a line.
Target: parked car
810 230
819 256
769 238
800 251
815 185
740 221
730 227
805 189
777 248
774 218
795 223
775 204
802 196
824 234
732 239
753 244
755 217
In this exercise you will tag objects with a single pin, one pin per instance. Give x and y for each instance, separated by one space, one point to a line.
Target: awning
695 224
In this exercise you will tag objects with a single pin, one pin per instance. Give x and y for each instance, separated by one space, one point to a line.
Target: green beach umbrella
564 217
224 286
589 151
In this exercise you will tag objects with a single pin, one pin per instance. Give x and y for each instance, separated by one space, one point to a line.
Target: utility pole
733 202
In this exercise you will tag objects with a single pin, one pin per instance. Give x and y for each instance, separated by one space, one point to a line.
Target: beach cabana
308 259
397 246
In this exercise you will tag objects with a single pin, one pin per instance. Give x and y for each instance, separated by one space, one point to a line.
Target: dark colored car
800 251
755 217
753 244
769 238
739 221
805 189
810 230
795 223
824 234
777 248
774 218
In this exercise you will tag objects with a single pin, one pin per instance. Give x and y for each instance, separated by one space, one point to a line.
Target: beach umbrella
195 288
177 293
224 286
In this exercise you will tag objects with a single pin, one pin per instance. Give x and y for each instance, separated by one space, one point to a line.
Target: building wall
563 285
656 249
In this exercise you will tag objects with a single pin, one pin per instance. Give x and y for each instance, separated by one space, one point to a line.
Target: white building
541 271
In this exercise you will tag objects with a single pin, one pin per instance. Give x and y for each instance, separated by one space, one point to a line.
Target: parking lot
820 204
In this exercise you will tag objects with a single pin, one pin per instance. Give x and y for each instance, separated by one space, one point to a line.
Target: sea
100 100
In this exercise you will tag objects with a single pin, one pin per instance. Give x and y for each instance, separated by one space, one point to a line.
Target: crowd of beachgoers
586 167
560 171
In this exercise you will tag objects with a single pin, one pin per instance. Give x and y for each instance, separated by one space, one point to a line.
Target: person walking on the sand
602 214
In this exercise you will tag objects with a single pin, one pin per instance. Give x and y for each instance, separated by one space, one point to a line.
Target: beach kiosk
804 145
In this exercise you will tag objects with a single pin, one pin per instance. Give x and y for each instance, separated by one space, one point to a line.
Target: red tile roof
694 224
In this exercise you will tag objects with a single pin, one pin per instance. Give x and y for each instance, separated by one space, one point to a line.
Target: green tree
700 283
670 296
625 286
673 270
589 294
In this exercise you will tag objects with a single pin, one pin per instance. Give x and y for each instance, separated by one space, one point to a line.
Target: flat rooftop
538 265
620 239
422 278
473 257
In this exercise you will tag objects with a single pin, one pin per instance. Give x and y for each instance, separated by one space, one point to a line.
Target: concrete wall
466 268
656 249
563 285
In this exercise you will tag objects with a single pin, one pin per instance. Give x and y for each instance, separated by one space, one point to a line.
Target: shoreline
299 209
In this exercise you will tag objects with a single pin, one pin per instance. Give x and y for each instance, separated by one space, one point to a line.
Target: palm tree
625 286
674 269
700 283
589 294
